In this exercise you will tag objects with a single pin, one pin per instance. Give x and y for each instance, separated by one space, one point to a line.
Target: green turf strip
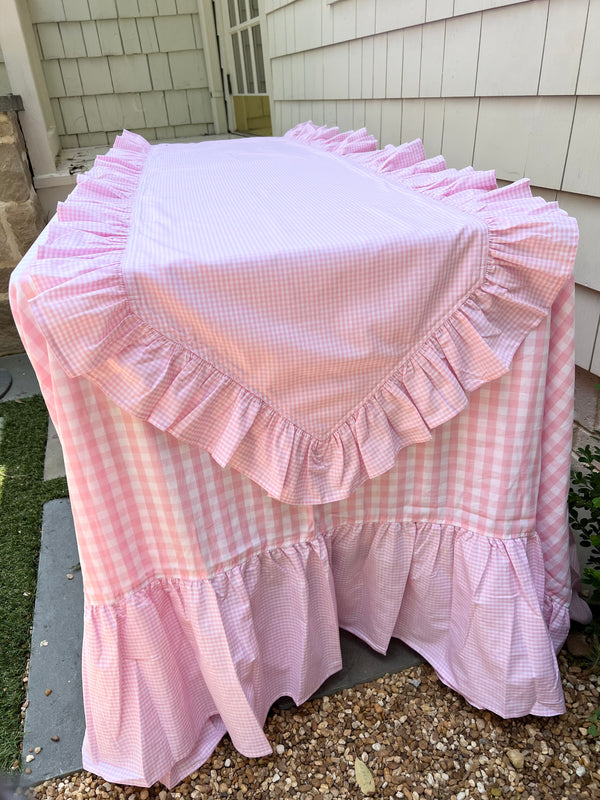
22 495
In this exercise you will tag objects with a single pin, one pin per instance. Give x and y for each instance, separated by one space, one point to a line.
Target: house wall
510 86
4 82
114 64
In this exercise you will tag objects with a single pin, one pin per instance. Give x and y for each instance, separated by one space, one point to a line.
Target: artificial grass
23 493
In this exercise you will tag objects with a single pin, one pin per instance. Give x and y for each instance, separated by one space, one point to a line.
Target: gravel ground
418 739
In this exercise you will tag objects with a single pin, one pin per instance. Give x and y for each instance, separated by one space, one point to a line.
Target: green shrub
584 509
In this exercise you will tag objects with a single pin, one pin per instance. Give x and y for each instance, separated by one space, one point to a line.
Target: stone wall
21 218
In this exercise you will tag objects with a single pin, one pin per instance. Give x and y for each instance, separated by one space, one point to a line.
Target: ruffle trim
532 247
174 665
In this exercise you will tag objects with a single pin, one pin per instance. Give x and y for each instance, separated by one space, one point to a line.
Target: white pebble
376 746
480 787
227 762
280 749
461 796
580 771
276 777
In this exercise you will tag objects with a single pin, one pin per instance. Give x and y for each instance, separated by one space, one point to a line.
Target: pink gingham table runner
303 384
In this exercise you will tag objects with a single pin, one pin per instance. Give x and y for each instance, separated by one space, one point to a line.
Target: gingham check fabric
224 327
303 313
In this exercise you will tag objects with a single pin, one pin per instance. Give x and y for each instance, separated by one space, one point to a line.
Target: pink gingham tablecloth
301 384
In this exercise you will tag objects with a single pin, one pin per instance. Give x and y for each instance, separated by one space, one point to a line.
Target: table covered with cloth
303 384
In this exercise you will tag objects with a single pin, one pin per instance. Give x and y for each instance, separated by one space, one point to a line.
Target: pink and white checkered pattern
330 306
179 316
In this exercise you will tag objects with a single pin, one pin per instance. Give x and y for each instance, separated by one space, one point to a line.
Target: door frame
210 45
225 55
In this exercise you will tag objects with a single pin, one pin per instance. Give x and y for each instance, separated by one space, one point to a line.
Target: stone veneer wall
21 218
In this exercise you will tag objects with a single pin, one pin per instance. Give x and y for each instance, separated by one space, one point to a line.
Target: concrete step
54 463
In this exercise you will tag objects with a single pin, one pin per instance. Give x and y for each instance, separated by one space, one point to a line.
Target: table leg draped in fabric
208 596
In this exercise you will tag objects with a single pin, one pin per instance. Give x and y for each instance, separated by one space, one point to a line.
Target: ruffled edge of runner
80 302
214 647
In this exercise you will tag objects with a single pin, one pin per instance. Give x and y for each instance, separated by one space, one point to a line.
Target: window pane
242 10
253 9
232 18
239 75
247 60
258 59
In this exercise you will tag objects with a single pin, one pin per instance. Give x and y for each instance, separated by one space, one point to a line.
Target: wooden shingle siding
586 302
461 54
512 86
511 46
586 211
582 169
564 35
390 15
4 82
74 9
114 64
524 137
47 10
439 9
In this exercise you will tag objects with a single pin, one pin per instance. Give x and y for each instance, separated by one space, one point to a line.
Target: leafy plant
584 509
23 492
594 727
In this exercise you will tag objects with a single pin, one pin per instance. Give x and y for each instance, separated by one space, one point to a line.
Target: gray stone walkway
55 721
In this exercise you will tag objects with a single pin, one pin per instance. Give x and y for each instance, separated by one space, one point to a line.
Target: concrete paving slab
54 462
24 381
20 381
5 381
361 664
55 654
